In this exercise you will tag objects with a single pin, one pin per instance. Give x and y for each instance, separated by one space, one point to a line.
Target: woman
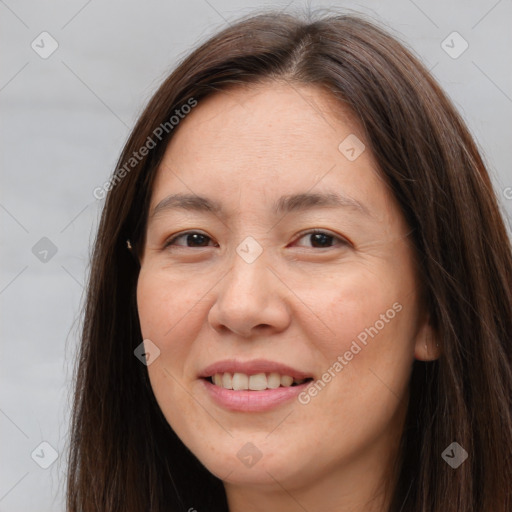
300 296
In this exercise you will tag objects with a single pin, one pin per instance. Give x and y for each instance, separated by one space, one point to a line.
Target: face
288 263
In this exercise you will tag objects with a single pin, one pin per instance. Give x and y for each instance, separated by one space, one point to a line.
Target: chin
257 462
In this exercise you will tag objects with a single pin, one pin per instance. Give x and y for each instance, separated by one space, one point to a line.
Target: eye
323 239
194 238
319 239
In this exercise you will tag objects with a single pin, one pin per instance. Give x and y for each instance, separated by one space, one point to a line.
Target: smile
252 386
258 382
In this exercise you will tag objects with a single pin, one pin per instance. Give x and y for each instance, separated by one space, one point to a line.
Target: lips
252 386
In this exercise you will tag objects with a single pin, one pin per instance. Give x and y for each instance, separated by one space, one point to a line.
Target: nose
251 300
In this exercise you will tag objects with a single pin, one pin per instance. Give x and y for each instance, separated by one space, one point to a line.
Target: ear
427 346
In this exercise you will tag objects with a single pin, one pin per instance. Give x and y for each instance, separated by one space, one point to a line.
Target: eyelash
342 241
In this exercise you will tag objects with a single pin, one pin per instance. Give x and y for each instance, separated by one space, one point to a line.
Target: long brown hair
125 457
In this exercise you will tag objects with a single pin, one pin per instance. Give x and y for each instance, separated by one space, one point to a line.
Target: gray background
63 122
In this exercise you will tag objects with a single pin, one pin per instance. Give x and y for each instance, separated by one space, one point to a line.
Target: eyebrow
285 204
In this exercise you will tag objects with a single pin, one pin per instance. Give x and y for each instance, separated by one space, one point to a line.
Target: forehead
260 141
283 115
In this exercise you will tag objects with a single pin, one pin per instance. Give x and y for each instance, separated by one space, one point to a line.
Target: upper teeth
258 382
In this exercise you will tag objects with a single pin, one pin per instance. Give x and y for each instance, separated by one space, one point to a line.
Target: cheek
350 306
371 325
366 368
165 318
163 302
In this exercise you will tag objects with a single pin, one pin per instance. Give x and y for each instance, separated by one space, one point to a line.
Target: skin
299 303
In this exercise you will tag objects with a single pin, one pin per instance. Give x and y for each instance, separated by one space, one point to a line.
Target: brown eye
323 239
191 238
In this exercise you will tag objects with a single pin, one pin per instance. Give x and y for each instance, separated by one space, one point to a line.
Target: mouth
253 386
256 382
